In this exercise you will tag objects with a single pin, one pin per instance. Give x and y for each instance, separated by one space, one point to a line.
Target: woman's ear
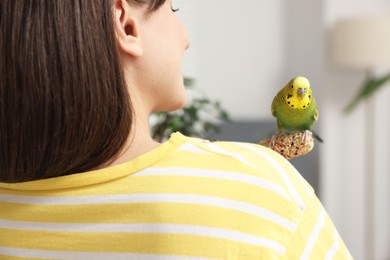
127 29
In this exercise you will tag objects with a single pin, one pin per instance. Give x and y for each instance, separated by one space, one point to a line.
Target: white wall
359 151
381 221
238 48
336 9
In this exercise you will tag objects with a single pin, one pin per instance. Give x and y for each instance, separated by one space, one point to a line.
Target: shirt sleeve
316 236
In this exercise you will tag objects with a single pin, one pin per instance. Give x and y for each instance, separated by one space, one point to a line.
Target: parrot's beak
301 92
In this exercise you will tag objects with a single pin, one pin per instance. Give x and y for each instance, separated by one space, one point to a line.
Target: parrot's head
298 93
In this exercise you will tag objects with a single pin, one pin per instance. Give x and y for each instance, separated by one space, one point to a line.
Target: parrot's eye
292 86
309 96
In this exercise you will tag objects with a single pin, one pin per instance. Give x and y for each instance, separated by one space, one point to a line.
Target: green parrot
295 107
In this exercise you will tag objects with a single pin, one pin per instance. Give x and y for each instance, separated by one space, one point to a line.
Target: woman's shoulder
247 161
249 185
225 148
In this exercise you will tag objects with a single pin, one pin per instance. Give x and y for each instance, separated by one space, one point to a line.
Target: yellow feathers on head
298 93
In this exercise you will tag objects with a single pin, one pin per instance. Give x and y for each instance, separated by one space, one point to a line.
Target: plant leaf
370 86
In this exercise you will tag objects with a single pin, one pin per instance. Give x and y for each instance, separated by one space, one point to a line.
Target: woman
81 177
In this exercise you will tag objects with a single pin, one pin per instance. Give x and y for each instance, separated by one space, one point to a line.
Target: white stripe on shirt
296 197
51 254
218 174
237 156
148 228
154 198
314 235
333 249
307 187
188 147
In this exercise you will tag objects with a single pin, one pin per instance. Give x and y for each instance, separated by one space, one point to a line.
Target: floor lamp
363 43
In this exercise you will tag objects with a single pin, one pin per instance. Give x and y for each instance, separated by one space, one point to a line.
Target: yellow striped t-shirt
187 199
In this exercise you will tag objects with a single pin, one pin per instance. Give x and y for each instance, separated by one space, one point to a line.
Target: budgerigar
295 107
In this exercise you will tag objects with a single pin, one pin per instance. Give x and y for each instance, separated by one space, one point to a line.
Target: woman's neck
138 143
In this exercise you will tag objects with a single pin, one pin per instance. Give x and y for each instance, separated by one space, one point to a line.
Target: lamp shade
361 42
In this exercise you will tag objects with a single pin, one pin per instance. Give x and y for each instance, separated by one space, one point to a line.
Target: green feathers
295 107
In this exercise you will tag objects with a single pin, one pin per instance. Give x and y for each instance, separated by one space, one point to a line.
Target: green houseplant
369 87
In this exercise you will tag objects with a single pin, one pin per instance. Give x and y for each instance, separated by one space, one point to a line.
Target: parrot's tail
316 136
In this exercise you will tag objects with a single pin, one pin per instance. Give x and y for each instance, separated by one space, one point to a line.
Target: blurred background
243 52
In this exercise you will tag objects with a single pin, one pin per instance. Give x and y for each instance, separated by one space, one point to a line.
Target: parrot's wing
273 107
316 113
278 100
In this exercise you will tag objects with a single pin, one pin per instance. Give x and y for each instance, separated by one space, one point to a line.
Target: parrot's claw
306 136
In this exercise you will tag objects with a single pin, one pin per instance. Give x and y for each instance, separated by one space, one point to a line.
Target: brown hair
64 103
